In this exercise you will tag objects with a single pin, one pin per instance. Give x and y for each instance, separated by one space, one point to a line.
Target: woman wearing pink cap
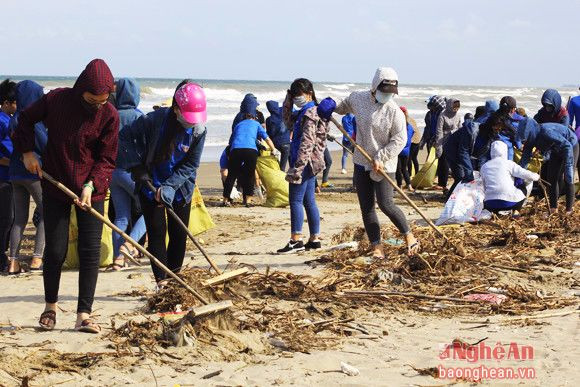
164 147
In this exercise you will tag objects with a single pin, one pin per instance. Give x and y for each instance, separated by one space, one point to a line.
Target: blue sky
493 42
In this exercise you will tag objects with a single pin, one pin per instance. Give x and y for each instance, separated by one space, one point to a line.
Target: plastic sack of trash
72 254
199 218
535 164
274 180
465 204
424 178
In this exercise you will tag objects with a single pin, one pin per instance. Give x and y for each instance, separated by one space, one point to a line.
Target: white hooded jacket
498 175
381 128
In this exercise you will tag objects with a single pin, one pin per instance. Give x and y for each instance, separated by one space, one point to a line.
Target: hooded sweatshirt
128 96
559 115
381 128
574 114
491 107
448 122
431 119
127 100
498 175
550 139
459 148
82 141
249 104
275 126
27 93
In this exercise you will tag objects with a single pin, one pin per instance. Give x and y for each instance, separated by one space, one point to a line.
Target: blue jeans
303 195
345 154
122 193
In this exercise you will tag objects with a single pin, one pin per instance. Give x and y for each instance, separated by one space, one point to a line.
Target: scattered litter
532 236
348 369
346 245
496 299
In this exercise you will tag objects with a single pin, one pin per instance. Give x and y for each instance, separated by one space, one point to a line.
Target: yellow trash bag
72 255
274 181
424 178
535 164
199 218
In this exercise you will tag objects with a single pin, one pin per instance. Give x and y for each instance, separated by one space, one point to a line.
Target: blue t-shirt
246 133
5 144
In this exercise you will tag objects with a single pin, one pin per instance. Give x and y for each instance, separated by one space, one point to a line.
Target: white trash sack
465 204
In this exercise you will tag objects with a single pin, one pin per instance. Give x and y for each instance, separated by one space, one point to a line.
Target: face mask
89 107
183 122
300 101
383 98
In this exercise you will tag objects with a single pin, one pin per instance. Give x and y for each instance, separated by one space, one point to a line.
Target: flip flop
49 315
88 326
116 266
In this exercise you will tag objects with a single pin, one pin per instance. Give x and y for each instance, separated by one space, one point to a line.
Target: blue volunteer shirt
5 144
246 133
164 170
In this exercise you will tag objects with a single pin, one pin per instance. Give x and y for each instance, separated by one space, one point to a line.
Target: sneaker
292 247
326 184
312 245
343 171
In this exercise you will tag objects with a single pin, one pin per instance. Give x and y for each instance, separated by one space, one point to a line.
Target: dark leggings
554 170
6 220
328 163
413 162
159 225
367 190
402 171
90 229
242 166
442 171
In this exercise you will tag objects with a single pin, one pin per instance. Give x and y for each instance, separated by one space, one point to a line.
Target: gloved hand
140 174
330 137
276 153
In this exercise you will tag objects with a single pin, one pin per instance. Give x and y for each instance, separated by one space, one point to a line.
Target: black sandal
49 315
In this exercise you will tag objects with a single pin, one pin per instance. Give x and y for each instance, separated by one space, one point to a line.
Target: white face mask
183 122
300 101
383 98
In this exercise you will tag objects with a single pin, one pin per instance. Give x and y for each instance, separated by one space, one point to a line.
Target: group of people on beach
93 139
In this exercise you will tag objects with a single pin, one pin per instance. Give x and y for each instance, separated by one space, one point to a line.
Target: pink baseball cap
192 103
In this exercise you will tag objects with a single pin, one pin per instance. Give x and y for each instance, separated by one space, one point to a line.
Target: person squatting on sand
498 176
26 184
80 153
164 148
381 132
310 128
127 97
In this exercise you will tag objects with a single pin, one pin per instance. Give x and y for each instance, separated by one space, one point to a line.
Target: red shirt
82 144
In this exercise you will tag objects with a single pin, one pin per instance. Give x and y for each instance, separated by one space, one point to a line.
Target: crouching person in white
506 184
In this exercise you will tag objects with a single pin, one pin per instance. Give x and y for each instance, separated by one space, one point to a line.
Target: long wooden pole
396 187
189 234
141 249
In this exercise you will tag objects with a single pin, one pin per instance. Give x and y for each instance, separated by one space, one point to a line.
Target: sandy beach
398 341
